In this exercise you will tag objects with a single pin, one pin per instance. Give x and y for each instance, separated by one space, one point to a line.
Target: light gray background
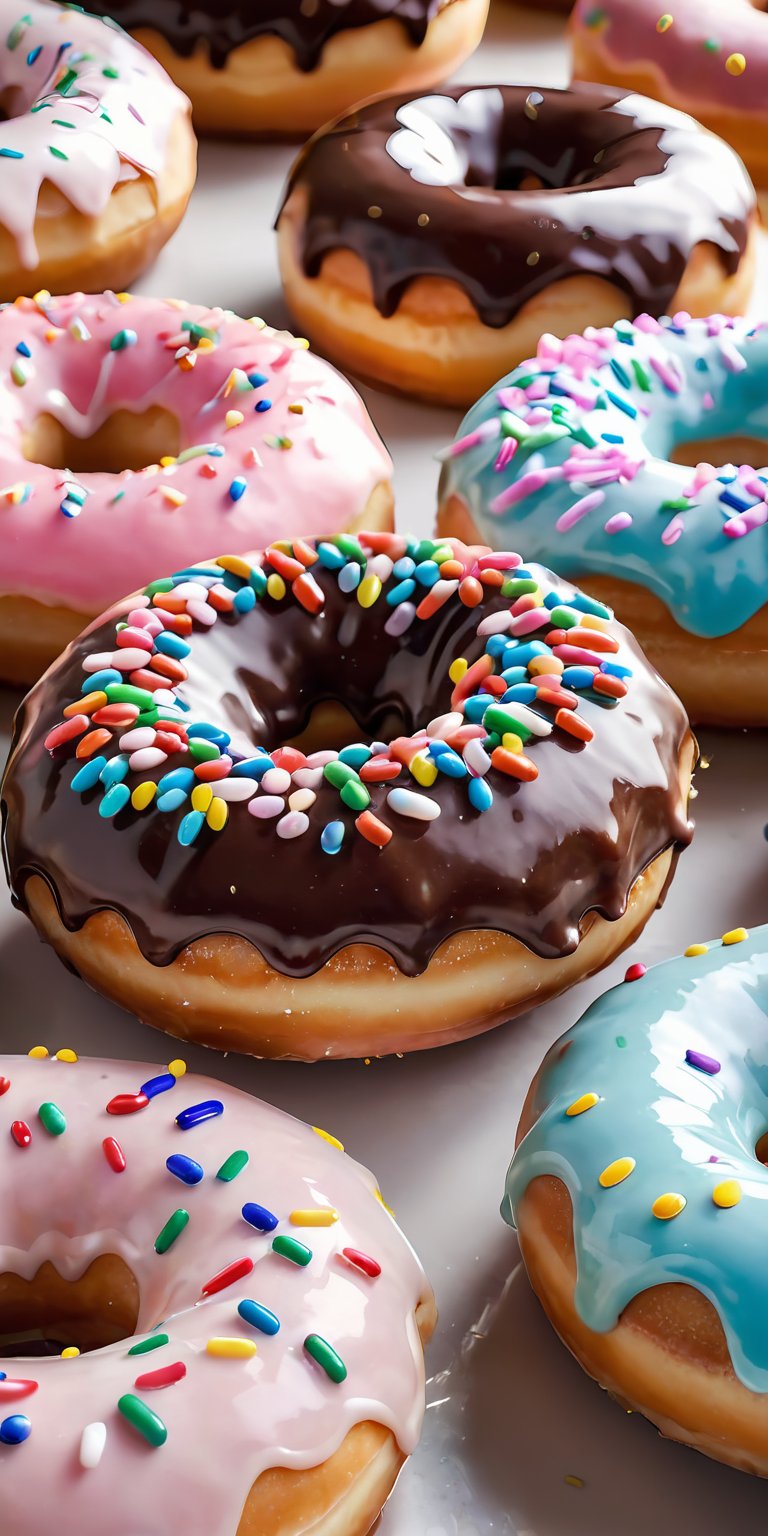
510 1415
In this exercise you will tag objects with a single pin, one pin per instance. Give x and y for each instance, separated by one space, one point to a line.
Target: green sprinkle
199 331
621 1042
66 81
325 1356
512 426
203 751
642 375
58 122
258 581
110 73
17 32
338 774
233 1165
291 1248
350 547
148 1424
52 1119
145 1346
564 618
501 718
125 693
518 586
676 504
711 45
173 1228
581 435
58 154
355 795
164 584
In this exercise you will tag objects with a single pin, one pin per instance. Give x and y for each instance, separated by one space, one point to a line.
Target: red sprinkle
114 1154
228 1276
66 731
373 830
127 1103
167 1376
634 972
574 725
21 1133
379 770
362 1261
5 1083
516 764
11 1391
289 758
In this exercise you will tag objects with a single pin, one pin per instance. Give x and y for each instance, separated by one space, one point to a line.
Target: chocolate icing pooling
224 25
439 186
545 854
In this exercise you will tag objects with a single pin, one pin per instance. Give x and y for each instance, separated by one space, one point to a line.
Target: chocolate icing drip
544 855
446 185
224 25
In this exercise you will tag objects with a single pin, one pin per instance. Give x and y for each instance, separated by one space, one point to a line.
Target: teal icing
600 416
673 1119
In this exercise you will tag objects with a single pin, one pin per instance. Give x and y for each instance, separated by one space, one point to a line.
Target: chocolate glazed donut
351 952
284 67
500 196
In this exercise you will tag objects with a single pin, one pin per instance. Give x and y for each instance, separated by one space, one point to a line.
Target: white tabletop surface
510 1415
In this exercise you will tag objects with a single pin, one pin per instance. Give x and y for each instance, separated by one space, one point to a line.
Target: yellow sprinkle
52 332
664 22
177 1067
65 1054
167 460
666 1206
382 1201
276 586
70 1354
587 1101
319 1216
573 1481
511 742
368 591
202 796
727 1194
173 497
617 1172
124 298
42 297
326 1136
735 936
235 564
423 769
296 409
143 795
697 949
301 341
233 418
457 669
736 64
231 1349
593 621
204 344
216 815
39 1052
374 212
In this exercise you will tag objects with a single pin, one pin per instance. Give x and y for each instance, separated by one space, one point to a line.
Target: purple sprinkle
704 1063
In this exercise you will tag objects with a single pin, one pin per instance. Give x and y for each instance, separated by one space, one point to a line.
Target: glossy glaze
228 1419
689 1130
546 852
697 538
431 187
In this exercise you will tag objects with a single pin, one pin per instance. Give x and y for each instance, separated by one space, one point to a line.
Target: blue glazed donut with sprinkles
210 1321
348 796
640 1194
604 452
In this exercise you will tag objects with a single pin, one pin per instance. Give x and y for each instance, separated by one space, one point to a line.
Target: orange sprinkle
574 725
221 603
516 764
285 565
472 678
304 552
169 603
612 686
307 592
85 706
373 830
169 667
594 639
452 570
492 578
470 591
89 744
435 599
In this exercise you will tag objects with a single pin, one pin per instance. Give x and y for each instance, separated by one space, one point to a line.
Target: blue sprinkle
612 437
12 154
621 373
475 707
34 53
252 767
114 800
480 794
332 837
257 379
349 577
259 1317
739 499
512 675
614 669
184 1168
88 775
171 800
172 645
208 732
23 349
96 682
70 508
588 605
2 1375
258 1216
401 592
245 600
520 655
114 771
160 1084
178 778
198 1113
189 827
451 764
495 644
578 677
403 567
355 755
15 1430
623 405
427 573
552 599
331 557
263 405
238 488
524 693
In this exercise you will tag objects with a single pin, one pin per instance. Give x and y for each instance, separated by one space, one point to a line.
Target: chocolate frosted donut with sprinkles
190 820
640 1194
286 66
426 242
97 154
210 1320
605 450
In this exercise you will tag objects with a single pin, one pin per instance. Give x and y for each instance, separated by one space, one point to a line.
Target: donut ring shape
88 114
532 785
251 1238
649 1112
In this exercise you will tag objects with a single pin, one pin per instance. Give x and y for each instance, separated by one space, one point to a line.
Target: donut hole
46 1314
722 450
125 440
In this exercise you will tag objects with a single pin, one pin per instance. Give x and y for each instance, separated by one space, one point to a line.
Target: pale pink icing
306 470
628 35
96 152
228 1419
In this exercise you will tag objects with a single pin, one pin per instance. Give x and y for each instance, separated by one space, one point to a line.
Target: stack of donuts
293 781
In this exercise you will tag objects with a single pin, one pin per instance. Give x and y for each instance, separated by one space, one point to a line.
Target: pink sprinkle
666 373
648 324
618 522
754 517
731 356
576 655
703 475
708 401
673 531
482 434
201 612
512 398
579 510
504 560
505 454
527 485
526 623
266 806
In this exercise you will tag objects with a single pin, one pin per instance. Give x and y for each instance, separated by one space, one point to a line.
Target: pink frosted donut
184 430
251 1319
708 57
97 154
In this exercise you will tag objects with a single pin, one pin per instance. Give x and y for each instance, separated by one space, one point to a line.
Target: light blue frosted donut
569 459
678 1062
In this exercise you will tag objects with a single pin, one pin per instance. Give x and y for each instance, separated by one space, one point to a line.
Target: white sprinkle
476 758
128 659
92 1443
401 620
266 806
147 757
191 589
276 781
495 624
527 717
202 612
444 725
407 803
133 741
292 825
308 778
236 789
